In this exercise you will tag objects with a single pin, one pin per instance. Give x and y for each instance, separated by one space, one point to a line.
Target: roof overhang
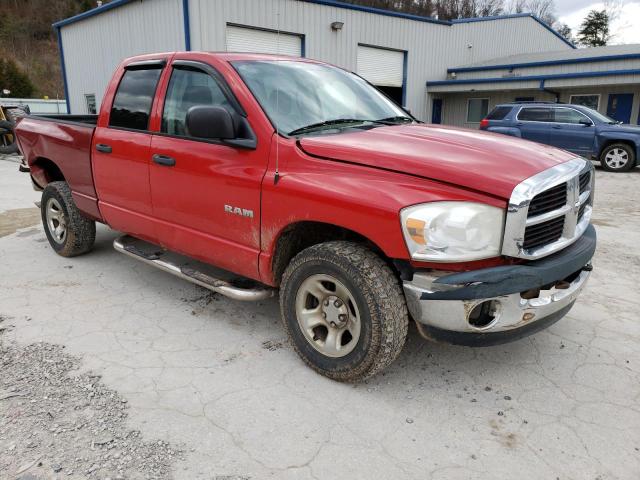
523 81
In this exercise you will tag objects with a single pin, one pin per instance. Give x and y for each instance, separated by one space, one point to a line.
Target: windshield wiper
326 123
395 120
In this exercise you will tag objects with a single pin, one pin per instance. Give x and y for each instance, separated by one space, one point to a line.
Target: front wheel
618 157
68 231
343 310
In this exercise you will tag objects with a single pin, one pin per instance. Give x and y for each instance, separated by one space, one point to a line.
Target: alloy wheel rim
616 158
328 316
56 221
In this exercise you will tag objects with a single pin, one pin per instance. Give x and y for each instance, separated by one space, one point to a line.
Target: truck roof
228 56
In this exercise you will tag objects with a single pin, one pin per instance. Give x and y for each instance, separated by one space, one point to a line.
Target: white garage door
241 39
381 67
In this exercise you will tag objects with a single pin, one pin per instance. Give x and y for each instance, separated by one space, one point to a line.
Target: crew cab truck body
576 128
293 174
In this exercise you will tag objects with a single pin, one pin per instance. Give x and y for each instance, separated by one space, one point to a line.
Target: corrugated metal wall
95 45
432 48
455 104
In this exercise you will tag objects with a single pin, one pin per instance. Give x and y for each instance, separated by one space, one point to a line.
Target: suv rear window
498 113
536 114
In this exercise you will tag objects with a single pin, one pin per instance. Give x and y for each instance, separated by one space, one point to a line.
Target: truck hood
482 161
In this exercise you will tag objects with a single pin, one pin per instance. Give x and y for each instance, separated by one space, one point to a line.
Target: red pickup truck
249 173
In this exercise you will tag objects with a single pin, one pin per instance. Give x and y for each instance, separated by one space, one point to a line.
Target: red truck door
205 194
120 150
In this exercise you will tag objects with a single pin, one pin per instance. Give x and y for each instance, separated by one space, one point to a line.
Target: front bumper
497 305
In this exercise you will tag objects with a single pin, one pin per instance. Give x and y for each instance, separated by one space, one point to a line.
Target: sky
626 28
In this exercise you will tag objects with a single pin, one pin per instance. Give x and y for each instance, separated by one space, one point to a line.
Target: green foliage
11 78
565 31
594 31
28 39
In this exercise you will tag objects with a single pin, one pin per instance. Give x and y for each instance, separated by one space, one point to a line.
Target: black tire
379 301
613 166
80 232
8 143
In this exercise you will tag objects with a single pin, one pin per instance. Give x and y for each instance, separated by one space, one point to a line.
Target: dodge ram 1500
248 173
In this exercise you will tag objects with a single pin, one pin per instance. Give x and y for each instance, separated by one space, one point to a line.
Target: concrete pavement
218 377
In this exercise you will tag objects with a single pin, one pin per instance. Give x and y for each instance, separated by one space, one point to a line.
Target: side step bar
135 248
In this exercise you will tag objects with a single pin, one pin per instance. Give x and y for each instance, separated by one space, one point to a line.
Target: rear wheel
68 231
343 310
617 157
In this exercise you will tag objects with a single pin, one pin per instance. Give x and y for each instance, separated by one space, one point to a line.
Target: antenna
276 177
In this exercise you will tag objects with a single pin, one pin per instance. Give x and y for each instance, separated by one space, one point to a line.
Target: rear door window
132 103
536 114
498 113
569 115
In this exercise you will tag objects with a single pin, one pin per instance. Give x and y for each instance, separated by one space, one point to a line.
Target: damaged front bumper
500 304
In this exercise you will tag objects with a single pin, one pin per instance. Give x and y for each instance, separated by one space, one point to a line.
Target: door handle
557 127
519 124
104 148
164 160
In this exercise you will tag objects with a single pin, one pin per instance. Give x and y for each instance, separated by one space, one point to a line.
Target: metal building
604 78
396 52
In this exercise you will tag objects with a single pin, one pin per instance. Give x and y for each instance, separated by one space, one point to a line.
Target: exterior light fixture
337 26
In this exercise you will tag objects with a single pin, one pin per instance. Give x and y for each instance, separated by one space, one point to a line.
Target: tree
565 31
11 78
594 31
543 9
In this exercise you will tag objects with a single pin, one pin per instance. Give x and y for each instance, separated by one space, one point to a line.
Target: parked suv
575 128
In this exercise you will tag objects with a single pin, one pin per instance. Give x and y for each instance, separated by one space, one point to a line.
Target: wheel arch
300 235
45 171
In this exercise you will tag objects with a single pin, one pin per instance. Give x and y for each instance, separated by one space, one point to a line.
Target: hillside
26 36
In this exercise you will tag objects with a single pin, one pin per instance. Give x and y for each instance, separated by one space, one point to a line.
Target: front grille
543 233
583 207
549 211
585 180
549 200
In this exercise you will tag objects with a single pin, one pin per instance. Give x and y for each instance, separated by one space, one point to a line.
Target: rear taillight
484 123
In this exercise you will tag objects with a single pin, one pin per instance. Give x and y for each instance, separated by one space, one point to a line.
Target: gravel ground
216 379
59 422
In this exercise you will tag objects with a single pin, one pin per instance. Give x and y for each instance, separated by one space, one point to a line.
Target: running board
189 269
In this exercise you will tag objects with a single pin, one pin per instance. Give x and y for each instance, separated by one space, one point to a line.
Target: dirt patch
13 220
55 422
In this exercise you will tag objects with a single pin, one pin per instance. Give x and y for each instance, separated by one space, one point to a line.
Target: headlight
452 231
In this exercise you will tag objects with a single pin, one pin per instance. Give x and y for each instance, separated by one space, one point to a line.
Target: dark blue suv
579 129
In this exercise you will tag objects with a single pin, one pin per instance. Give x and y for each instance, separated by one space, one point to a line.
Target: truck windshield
301 97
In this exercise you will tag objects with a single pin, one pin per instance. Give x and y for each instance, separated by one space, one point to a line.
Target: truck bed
66 118
64 140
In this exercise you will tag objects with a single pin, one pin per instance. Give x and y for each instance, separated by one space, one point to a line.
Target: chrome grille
543 233
549 211
548 201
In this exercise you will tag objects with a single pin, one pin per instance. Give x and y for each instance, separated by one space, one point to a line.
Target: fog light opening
483 314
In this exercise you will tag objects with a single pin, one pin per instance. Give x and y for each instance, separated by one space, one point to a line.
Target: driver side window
188 88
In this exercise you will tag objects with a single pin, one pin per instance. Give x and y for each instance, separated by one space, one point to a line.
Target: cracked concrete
217 376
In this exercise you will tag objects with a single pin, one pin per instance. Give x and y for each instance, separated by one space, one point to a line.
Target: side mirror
210 122
586 123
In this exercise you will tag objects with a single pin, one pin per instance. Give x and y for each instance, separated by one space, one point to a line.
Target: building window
477 109
591 100
90 100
